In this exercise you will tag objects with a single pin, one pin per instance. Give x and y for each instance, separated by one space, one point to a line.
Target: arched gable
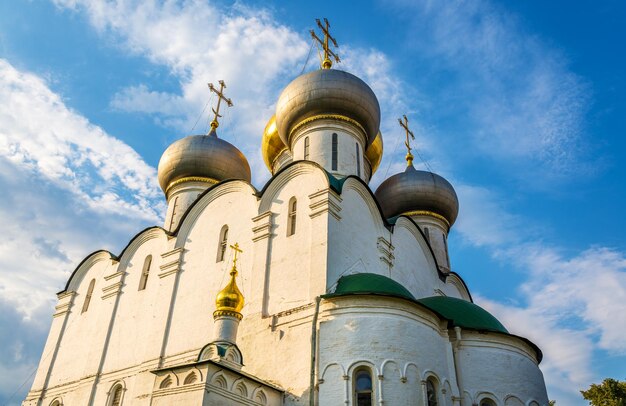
81 270
357 185
190 217
285 175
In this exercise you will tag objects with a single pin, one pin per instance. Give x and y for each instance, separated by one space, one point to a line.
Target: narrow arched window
144 272
55 403
358 161
334 152
88 296
174 209
306 148
427 234
222 244
431 393
363 392
116 396
291 216
487 402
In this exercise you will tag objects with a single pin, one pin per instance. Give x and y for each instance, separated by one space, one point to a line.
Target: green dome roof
370 283
463 313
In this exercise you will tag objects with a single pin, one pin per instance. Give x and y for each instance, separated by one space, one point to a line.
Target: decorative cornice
386 250
428 213
65 303
227 313
111 290
190 179
323 201
262 226
337 117
171 261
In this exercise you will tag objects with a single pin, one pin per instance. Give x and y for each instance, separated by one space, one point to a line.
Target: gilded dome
327 92
230 299
271 144
202 157
414 190
374 153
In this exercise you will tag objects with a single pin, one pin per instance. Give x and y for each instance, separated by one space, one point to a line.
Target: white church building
314 290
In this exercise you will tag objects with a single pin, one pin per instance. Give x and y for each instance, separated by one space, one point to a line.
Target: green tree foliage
552 403
609 393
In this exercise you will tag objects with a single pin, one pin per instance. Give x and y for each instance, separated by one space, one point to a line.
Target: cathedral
314 290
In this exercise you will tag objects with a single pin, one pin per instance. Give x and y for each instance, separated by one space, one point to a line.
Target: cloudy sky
519 104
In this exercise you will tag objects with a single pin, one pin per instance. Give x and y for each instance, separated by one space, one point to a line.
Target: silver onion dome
202 156
414 190
327 92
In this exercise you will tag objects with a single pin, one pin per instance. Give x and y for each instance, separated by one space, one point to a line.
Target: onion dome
374 153
327 93
271 144
203 158
230 300
418 192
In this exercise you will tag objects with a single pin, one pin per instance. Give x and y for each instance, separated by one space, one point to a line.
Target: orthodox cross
220 97
237 251
326 63
405 124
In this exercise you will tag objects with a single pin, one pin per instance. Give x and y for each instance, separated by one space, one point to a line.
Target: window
88 296
363 392
358 162
223 244
306 148
116 395
174 207
431 393
144 272
427 234
487 402
55 403
291 217
334 156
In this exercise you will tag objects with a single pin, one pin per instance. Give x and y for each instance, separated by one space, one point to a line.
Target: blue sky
519 104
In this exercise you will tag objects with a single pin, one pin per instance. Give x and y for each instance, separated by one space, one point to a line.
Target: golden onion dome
418 192
374 153
230 299
327 93
271 144
201 158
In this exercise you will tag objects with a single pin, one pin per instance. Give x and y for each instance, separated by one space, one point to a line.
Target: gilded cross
237 251
405 124
326 63
220 97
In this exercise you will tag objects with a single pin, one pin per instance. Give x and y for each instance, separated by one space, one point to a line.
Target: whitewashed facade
137 328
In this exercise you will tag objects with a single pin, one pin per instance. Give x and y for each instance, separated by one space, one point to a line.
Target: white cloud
65 176
520 103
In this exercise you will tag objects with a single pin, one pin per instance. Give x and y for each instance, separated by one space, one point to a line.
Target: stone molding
171 262
325 201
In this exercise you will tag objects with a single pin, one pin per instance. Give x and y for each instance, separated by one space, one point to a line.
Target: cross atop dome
405 124
220 97
326 63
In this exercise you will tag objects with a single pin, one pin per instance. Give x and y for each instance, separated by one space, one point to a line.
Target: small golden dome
374 153
271 144
230 299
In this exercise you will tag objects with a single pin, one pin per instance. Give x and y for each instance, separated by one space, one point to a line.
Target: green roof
463 313
370 284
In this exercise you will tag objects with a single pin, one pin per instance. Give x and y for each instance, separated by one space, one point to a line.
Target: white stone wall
499 367
127 333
